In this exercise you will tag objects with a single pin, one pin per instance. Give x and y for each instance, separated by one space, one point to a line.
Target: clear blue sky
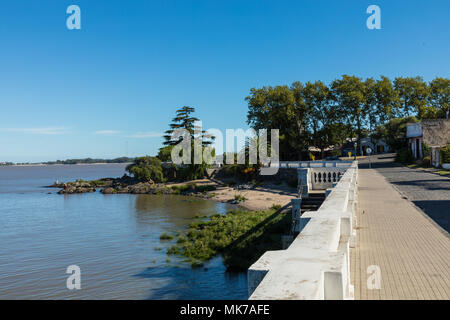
108 89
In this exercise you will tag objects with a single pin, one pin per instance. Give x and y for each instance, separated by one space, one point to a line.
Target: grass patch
443 172
256 184
239 198
275 207
97 183
211 195
183 188
240 236
192 187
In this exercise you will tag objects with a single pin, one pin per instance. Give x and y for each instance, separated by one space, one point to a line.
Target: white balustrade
316 264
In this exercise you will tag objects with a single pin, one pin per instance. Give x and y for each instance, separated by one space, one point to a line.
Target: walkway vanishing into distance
409 246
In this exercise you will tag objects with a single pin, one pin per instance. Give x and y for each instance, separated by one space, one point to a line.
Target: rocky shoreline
246 195
127 184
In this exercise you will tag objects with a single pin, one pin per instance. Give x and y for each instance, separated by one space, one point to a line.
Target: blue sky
108 89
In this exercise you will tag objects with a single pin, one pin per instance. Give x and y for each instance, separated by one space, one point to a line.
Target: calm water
112 238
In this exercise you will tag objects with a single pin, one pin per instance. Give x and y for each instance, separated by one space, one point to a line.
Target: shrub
164 153
426 150
336 153
426 161
275 207
183 188
239 198
445 154
244 172
146 168
166 236
404 156
256 184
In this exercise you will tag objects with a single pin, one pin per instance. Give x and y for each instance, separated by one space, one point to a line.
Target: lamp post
355 145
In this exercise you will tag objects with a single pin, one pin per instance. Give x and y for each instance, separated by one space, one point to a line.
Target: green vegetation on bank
166 236
146 169
240 236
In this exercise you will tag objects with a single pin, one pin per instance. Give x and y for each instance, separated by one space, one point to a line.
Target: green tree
165 153
349 97
439 97
413 94
320 114
182 120
394 132
185 120
279 108
386 100
146 168
339 132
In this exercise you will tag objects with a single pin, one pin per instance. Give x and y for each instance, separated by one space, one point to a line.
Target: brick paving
412 251
429 191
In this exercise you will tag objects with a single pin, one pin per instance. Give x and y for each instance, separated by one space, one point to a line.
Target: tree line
321 115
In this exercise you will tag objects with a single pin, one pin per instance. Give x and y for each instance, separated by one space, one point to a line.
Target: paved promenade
429 191
413 253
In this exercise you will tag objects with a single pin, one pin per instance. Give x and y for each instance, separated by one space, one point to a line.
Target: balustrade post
304 182
296 213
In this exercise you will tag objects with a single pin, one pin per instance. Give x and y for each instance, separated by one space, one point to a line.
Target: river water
114 239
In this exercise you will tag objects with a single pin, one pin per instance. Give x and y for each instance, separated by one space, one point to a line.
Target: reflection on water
113 238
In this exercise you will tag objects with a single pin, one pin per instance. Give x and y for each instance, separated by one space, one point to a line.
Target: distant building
377 146
434 133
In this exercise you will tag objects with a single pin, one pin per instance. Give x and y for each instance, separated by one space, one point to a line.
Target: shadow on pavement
438 210
426 184
415 185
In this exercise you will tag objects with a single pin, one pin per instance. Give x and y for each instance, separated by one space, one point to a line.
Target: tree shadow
436 184
227 272
437 210
181 282
265 236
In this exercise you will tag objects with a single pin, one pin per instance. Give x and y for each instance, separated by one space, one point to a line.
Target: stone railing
312 164
316 264
324 178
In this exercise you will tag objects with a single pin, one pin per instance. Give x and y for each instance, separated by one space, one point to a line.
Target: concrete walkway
412 252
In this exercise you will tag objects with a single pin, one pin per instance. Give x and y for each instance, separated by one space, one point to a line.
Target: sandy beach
259 198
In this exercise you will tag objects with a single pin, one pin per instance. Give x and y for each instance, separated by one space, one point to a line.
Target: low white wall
323 178
316 264
312 164
446 165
